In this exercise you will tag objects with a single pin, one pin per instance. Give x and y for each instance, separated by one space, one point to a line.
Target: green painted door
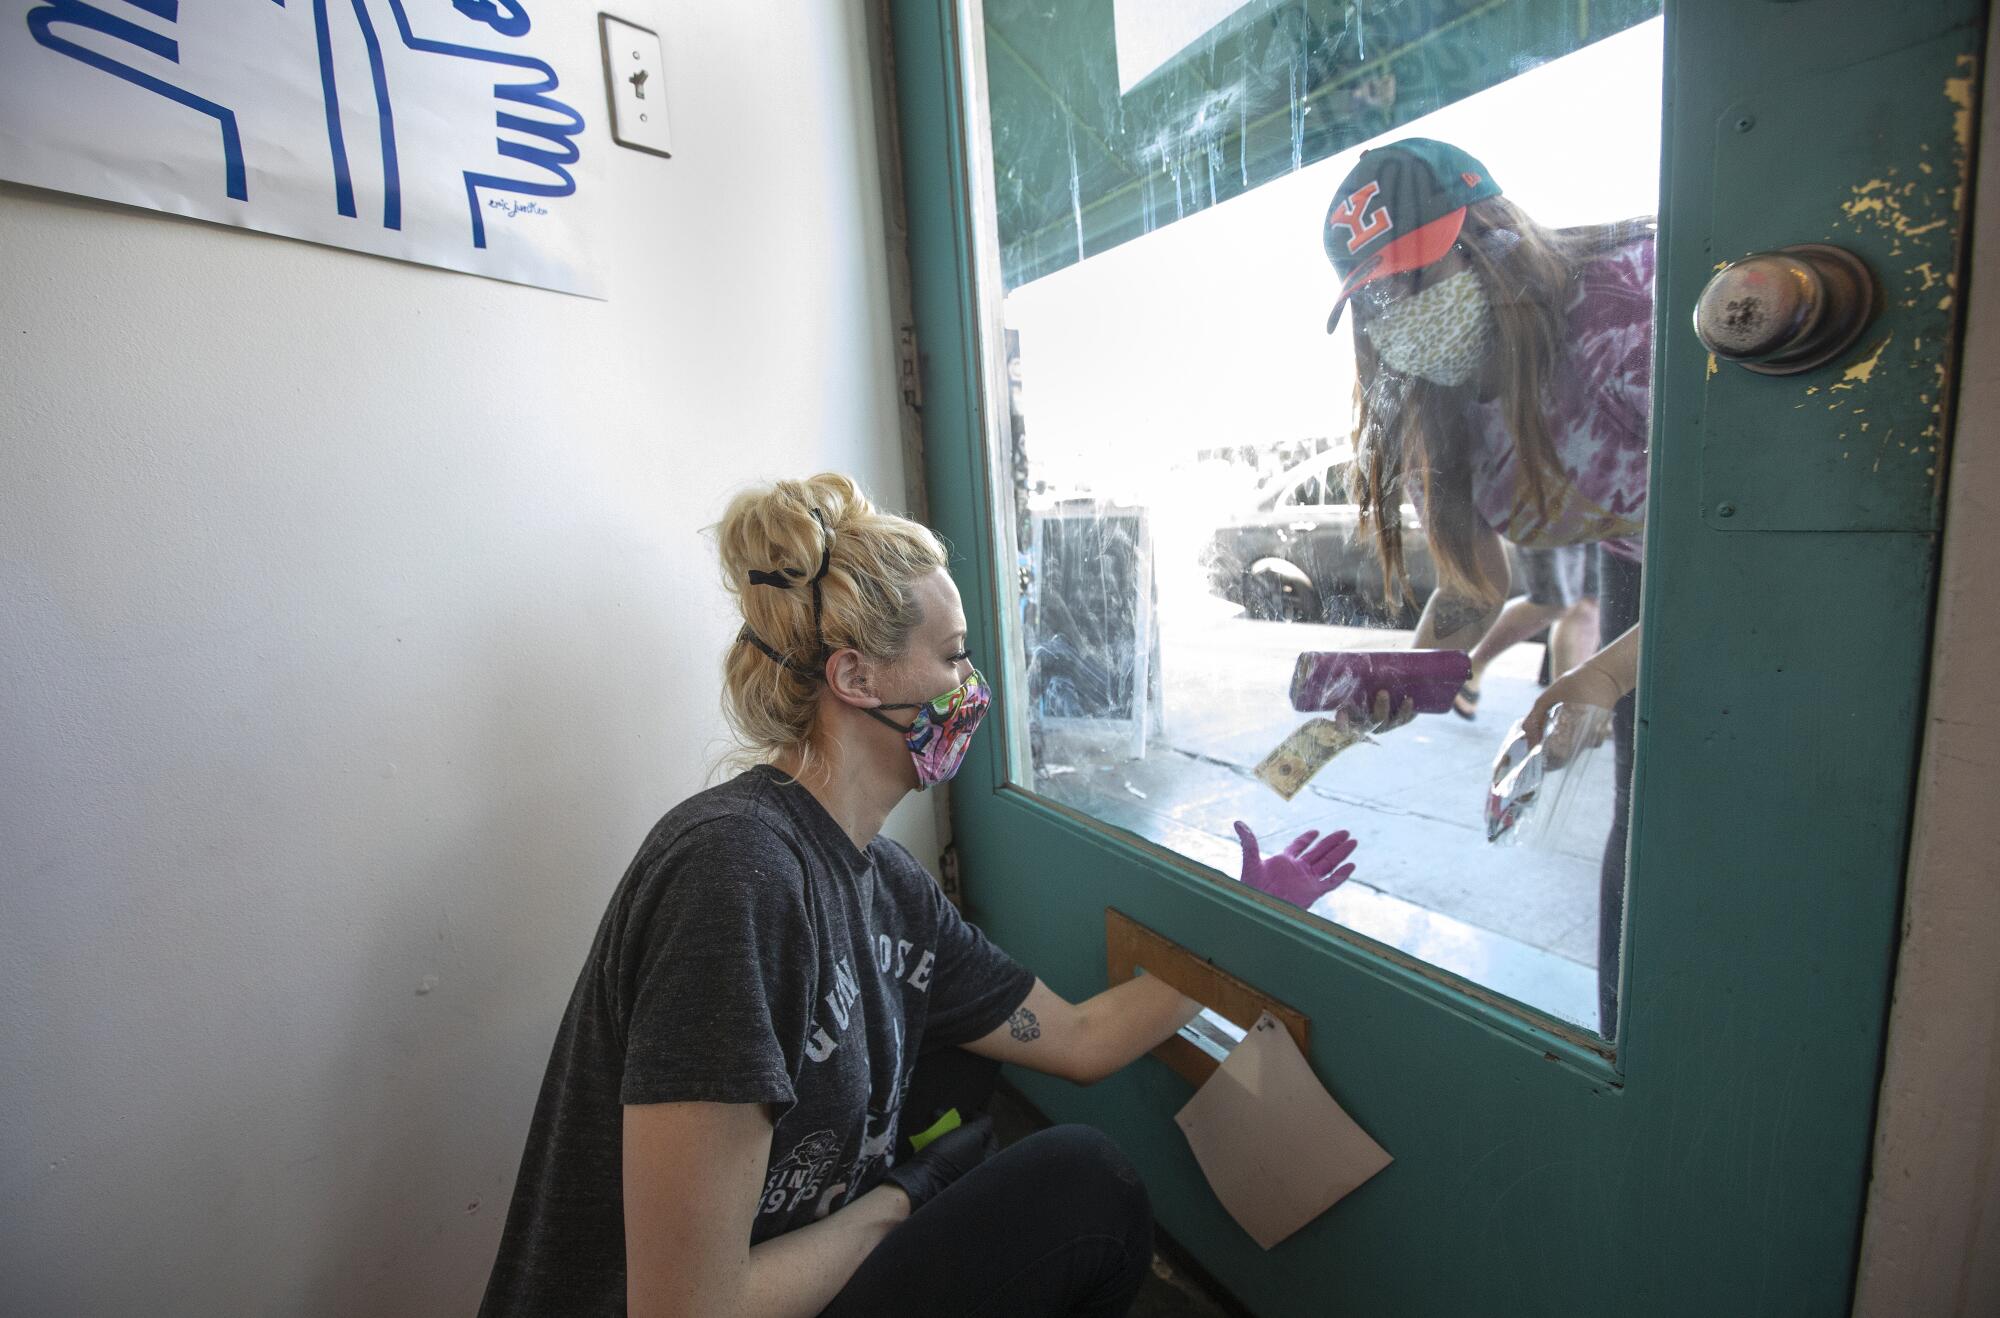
1707 1153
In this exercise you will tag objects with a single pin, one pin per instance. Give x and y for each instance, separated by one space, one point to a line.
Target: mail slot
1130 947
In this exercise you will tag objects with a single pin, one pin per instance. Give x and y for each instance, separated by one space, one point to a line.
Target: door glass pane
1200 482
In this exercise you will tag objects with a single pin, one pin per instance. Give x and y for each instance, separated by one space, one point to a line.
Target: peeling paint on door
1860 372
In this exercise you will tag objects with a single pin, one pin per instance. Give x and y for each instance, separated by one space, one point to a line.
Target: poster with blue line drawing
456 133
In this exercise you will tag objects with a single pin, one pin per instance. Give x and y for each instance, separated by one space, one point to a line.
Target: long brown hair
1414 429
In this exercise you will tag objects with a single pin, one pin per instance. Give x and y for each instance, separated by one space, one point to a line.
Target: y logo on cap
1362 224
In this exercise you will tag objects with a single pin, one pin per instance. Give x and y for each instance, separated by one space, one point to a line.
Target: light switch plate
635 78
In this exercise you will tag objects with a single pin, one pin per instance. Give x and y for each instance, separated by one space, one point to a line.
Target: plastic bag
1535 786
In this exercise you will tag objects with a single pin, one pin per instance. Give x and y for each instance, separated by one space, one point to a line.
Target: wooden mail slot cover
1130 946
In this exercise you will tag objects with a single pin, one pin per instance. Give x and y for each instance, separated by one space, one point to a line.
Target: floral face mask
942 732
1440 334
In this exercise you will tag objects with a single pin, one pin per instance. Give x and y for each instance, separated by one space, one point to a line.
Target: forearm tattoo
1023 1025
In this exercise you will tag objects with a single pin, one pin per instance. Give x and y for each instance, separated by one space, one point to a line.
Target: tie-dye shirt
1598 406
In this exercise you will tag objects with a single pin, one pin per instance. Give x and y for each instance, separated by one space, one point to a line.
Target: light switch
634 74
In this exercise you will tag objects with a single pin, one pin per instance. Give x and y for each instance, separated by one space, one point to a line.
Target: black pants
1617 612
1056 1224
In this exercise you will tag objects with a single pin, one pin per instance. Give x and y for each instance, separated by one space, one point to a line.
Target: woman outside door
1505 374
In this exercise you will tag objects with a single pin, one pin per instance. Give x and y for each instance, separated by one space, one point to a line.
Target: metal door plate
1858 444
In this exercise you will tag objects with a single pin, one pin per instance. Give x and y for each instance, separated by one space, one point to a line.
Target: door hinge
954 890
909 368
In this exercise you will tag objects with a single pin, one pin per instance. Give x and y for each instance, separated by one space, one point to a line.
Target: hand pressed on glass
1303 872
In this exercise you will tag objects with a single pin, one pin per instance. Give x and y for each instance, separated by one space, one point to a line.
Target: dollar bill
1304 753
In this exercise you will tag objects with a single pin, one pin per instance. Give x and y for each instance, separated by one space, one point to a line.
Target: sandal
1466 703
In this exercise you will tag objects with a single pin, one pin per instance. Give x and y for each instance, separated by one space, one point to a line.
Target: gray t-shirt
750 955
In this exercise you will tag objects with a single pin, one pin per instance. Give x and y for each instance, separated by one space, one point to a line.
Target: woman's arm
1084 1042
1604 679
693 1175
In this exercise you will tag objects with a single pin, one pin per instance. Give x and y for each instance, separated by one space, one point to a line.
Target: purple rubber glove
1303 872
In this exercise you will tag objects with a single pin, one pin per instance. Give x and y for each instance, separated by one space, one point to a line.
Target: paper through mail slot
1276 1148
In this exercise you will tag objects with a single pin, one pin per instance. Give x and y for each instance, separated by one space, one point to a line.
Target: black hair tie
803 670
782 579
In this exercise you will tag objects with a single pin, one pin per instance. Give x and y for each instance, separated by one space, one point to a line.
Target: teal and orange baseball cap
1399 209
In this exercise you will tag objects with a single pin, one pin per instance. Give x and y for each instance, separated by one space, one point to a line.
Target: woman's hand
693 1180
1603 680
945 1159
1378 719
1303 872
1583 685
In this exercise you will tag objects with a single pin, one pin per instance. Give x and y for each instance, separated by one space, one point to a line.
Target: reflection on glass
1208 478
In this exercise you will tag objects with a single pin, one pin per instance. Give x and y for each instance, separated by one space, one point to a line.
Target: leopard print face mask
1440 334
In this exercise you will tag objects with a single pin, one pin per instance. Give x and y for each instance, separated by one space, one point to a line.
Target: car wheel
1277 591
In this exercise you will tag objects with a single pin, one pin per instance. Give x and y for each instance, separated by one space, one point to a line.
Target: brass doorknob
1783 312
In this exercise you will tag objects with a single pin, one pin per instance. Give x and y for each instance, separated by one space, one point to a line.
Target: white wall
354 627
1931 1245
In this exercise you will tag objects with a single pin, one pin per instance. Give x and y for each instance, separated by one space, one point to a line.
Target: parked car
1293 555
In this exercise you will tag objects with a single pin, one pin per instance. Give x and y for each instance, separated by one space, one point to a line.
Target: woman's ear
850 676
